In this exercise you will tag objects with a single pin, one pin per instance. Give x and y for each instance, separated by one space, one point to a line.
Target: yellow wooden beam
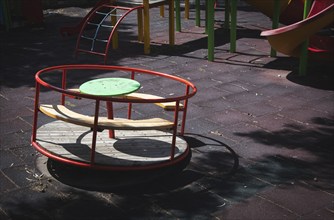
171 23
147 41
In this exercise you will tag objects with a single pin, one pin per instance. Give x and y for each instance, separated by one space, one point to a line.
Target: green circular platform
109 86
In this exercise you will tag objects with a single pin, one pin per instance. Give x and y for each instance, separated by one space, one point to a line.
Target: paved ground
261 136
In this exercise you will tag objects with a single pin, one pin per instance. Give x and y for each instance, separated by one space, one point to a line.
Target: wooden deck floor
129 148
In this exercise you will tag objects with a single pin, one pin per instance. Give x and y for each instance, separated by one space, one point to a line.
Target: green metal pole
7 15
206 16
211 32
178 15
198 13
277 7
233 29
227 14
304 50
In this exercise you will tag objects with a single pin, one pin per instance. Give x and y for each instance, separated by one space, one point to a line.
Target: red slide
288 39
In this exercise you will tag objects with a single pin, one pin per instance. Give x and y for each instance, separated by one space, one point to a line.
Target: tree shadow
171 192
71 3
45 47
311 156
146 181
35 49
319 74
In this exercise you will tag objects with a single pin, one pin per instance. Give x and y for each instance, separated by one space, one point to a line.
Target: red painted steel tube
63 86
104 167
129 110
105 67
36 110
38 147
114 29
110 113
66 69
130 104
176 116
105 54
91 52
96 120
184 116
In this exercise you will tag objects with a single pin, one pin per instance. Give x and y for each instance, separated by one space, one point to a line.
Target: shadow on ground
146 181
311 157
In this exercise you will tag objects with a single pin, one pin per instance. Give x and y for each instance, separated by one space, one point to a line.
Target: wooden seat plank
61 112
168 106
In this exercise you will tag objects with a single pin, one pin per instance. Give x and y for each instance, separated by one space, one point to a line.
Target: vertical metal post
96 120
113 18
233 29
162 11
184 116
171 23
147 41
198 12
211 31
206 17
129 110
304 49
227 14
186 9
130 104
277 8
63 86
7 14
178 15
140 25
110 113
34 126
176 115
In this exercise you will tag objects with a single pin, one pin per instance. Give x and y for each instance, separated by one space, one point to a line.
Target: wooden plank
129 148
60 112
168 106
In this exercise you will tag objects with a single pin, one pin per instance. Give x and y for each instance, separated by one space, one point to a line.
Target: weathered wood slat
130 148
168 106
60 112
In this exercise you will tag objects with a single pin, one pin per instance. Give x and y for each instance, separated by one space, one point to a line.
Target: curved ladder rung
101 13
102 25
96 39
111 14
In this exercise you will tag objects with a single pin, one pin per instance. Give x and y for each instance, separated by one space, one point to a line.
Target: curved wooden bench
168 106
61 112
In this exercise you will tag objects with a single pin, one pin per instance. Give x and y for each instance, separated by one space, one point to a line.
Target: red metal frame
190 90
106 51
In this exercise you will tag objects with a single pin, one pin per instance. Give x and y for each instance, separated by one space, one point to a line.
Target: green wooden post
198 13
7 15
206 16
178 15
233 29
211 31
227 14
304 50
277 7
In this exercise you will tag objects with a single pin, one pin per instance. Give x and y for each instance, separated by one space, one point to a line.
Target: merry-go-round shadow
138 181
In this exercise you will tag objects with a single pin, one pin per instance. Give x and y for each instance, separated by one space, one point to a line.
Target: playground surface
261 137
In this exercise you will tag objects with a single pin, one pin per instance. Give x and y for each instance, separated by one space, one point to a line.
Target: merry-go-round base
129 150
